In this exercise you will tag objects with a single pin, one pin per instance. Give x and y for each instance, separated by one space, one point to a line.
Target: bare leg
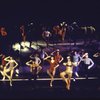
3 74
39 69
62 75
69 80
63 37
11 75
51 77
31 69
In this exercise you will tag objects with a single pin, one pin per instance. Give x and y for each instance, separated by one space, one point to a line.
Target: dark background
14 13
48 11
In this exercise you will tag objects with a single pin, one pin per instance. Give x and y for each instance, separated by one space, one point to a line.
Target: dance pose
76 60
52 68
37 62
69 70
32 65
57 56
43 54
88 63
9 68
60 30
46 36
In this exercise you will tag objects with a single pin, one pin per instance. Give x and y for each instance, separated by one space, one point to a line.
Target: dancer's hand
64 64
89 67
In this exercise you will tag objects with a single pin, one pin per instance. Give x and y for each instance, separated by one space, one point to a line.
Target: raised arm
28 63
53 52
6 64
64 63
96 54
46 57
7 58
46 54
92 63
31 56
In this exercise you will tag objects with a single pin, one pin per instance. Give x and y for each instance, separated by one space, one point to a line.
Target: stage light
35 47
25 49
22 47
16 47
25 44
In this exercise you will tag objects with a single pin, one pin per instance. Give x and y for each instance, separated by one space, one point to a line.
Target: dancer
43 54
9 68
69 70
58 57
76 60
88 63
52 68
22 30
37 63
60 30
32 65
46 36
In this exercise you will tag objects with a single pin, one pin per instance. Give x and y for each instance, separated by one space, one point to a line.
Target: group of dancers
55 59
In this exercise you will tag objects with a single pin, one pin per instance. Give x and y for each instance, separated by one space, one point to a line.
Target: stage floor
40 89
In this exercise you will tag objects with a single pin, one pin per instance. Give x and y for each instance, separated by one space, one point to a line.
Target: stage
25 87
40 89
30 27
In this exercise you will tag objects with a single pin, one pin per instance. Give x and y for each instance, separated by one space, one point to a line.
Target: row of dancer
71 66
55 59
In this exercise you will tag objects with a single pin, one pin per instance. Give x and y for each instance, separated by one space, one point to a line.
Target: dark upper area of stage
85 12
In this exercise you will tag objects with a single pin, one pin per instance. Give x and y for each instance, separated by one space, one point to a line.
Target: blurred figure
3 62
52 68
22 31
69 70
88 64
9 68
58 57
36 62
76 60
46 36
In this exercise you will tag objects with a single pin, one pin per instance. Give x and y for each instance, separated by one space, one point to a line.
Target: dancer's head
68 58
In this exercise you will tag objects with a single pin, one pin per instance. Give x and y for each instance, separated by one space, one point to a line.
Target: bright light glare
16 46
